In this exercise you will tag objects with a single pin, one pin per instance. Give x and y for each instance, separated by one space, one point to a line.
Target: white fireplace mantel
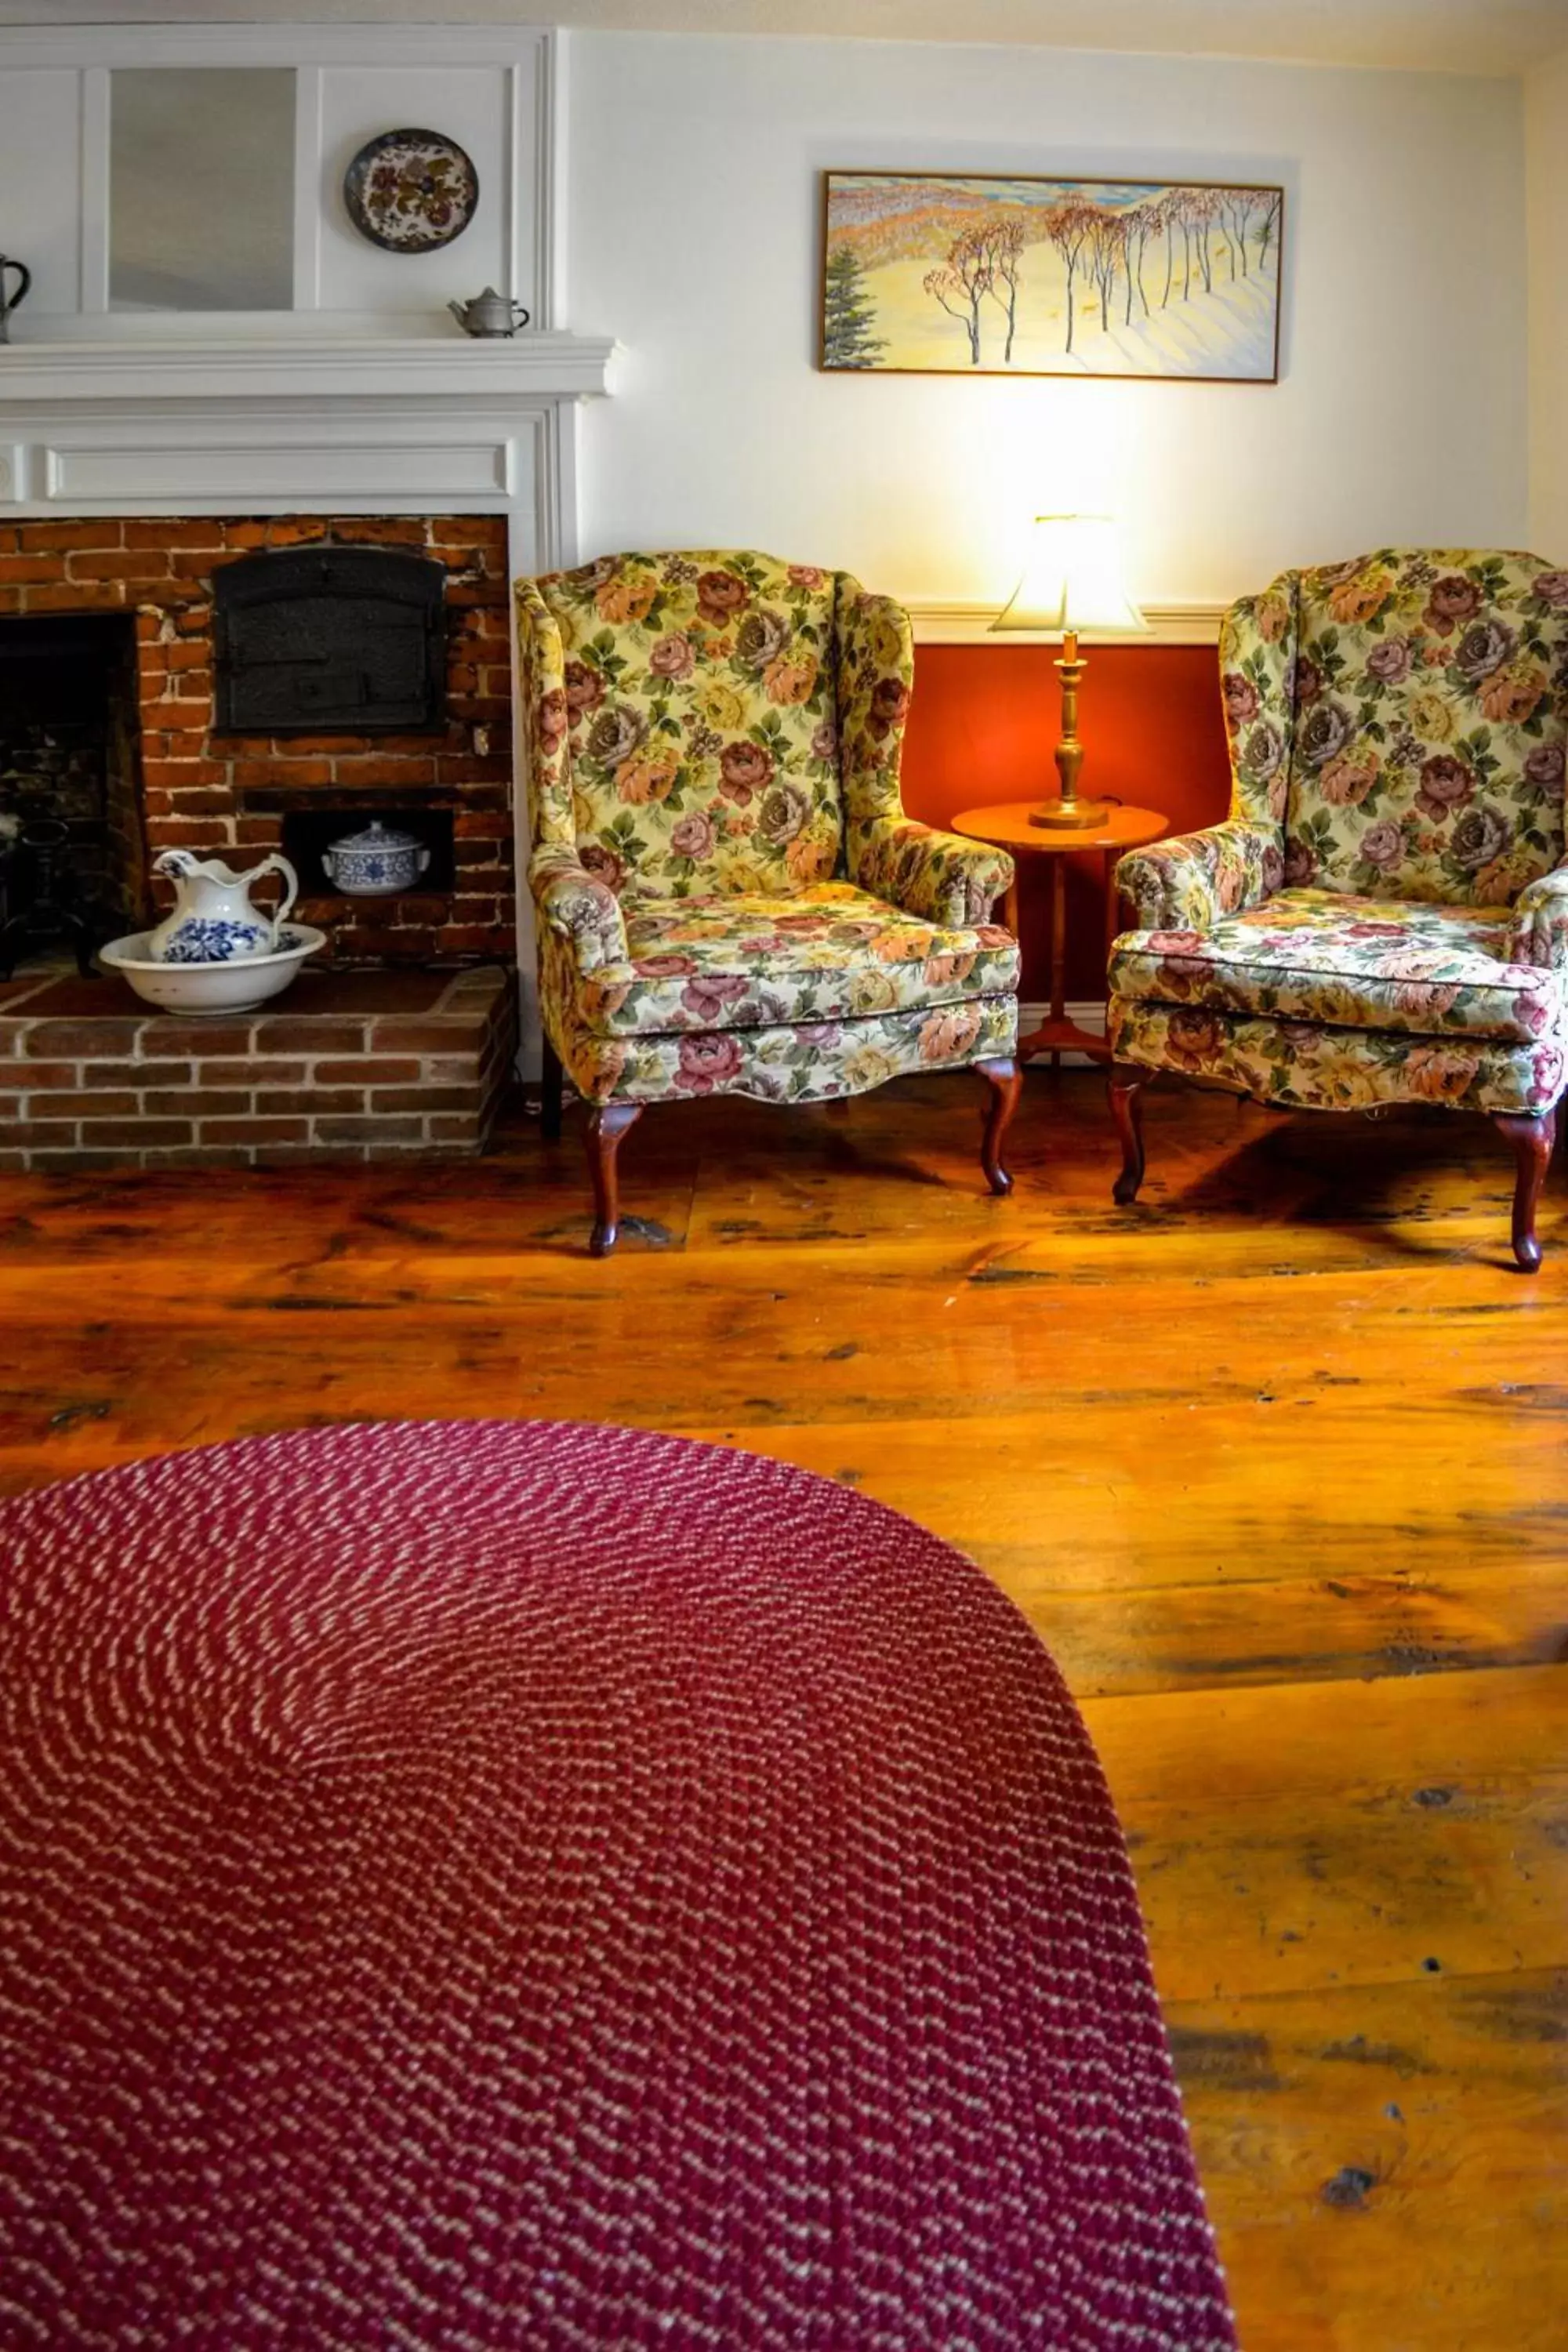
370 424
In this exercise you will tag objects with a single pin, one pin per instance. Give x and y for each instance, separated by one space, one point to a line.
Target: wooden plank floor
1274 1463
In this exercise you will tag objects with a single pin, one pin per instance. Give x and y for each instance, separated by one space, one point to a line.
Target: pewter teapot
9 302
489 313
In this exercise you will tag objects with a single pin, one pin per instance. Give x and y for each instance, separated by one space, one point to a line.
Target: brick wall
350 1065
226 794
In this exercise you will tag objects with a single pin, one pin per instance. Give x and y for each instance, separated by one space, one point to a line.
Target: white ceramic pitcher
214 920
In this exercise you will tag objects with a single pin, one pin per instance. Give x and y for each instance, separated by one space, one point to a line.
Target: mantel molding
529 367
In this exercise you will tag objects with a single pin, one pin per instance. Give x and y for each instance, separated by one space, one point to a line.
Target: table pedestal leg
1058 948
1057 1034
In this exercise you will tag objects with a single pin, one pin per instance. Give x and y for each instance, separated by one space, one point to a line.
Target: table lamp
1071 587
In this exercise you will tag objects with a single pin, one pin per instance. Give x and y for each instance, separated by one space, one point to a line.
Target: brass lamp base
1085 817
1067 813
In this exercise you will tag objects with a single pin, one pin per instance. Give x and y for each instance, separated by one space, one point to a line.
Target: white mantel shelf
531 366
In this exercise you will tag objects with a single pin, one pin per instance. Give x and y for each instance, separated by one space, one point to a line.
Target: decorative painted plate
410 191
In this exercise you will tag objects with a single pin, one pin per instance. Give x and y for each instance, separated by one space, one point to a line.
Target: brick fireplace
238 795
111 650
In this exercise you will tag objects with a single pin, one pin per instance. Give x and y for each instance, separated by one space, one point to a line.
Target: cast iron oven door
317 640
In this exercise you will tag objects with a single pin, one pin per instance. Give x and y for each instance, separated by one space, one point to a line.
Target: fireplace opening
72 857
312 640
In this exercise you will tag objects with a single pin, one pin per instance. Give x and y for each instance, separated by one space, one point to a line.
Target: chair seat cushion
828 953
1350 963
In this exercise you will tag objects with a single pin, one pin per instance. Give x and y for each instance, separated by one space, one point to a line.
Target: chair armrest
578 908
940 877
1187 884
1540 933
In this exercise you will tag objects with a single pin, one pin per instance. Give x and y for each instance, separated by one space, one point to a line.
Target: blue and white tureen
375 863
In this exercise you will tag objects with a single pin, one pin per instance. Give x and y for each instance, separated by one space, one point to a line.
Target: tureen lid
376 836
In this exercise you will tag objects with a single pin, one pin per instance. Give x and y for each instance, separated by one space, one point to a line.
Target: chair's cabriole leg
605 1128
1005 1081
551 1088
1532 1140
1125 1085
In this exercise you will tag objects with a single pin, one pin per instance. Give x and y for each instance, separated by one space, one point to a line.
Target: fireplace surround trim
288 426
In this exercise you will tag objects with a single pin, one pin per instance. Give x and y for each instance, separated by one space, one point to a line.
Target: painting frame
1070 184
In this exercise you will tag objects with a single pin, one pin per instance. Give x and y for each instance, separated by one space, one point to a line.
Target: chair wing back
1430 712
698 735
1257 667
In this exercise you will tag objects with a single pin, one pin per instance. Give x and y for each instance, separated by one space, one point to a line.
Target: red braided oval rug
522 1884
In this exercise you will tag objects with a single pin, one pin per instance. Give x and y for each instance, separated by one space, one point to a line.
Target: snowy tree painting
943 275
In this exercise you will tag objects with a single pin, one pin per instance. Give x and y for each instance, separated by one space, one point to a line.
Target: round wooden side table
1005 826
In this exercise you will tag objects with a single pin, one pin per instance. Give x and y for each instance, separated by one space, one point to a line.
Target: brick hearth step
349 1065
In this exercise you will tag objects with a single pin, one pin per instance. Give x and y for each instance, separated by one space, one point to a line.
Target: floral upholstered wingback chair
730 898
1383 915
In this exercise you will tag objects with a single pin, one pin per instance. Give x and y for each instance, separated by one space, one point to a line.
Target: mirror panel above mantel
202 184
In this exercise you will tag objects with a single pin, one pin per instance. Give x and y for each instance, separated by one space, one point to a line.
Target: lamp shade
1072 580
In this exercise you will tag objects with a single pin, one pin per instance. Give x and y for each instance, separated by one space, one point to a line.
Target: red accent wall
983 724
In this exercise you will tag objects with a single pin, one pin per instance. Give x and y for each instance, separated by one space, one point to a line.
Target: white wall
1546 162
694 235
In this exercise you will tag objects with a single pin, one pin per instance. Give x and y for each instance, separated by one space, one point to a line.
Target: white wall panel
492 92
240 476
40 184
465 103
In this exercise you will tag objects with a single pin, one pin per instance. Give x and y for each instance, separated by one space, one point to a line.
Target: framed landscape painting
936 273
